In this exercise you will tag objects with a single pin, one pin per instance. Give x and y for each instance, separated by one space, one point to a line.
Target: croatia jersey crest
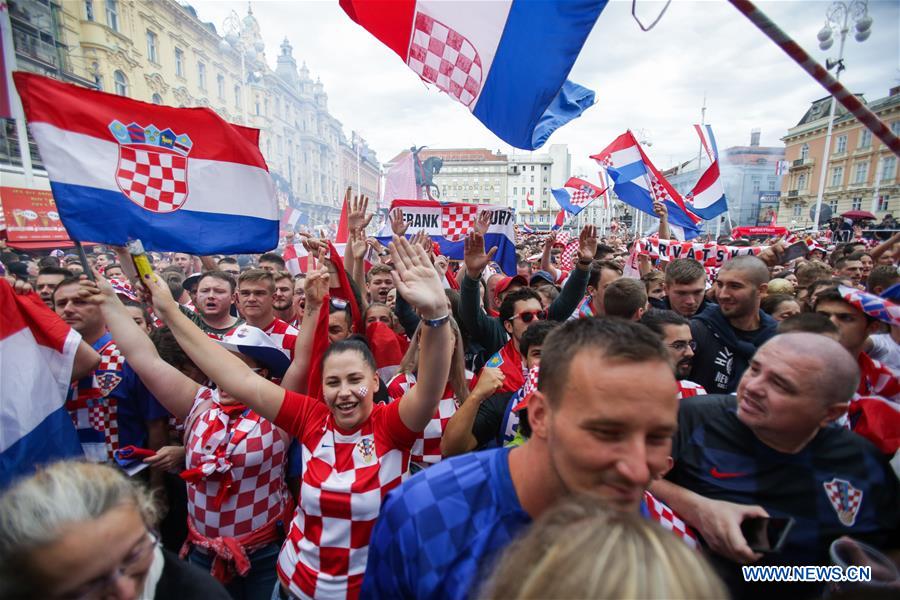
152 169
845 499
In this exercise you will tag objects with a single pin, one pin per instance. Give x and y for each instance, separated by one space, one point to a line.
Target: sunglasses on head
531 315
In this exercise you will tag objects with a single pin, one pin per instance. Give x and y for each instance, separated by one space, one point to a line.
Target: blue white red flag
707 199
526 228
448 223
708 141
37 351
638 183
576 195
781 167
560 220
507 61
180 179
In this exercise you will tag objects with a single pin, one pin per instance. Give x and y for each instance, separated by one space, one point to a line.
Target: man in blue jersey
602 422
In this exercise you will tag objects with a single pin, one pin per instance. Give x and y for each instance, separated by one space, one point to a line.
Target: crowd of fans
389 423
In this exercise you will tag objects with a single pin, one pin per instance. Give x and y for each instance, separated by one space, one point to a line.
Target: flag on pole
37 352
639 183
708 141
576 195
560 219
289 218
400 181
707 199
781 167
177 178
529 201
506 61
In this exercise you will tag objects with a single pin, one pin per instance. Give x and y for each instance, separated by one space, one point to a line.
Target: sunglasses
529 316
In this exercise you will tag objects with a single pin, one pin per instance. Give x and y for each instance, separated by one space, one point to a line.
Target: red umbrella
858 215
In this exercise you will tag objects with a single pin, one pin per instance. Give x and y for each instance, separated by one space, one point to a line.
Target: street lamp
838 18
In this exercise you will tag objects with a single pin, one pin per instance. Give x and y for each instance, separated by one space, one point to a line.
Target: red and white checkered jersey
666 517
284 335
686 389
427 449
253 457
346 475
91 406
877 379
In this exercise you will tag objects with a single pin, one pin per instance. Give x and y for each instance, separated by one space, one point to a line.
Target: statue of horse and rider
425 172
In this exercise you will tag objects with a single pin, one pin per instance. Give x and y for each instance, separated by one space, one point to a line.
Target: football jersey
686 389
346 475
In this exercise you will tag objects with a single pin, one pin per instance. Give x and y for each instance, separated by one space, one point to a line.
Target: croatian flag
507 61
179 179
289 218
708 141
37 351
448 223
576 195
638 183
707 199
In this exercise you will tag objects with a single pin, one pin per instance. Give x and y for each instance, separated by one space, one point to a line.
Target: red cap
504 284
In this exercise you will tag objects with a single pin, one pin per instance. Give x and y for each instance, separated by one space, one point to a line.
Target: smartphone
794 251
766 534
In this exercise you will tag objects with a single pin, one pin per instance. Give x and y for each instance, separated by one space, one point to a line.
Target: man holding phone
774 452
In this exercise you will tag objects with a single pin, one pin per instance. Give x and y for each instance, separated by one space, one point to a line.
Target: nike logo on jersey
720 475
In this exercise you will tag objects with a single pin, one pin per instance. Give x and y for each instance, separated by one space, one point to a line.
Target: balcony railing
793 193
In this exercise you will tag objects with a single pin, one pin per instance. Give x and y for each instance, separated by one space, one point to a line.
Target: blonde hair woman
580 549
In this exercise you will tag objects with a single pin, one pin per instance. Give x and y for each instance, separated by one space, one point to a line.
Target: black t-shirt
185 581
839 484
488 424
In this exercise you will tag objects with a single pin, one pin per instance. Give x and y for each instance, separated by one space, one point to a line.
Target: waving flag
707 199
576 195
180 179
448 223
638 183
529 201
289 218
37 351
708 141
506 61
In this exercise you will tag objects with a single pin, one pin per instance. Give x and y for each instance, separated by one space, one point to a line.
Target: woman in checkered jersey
354 451
237 500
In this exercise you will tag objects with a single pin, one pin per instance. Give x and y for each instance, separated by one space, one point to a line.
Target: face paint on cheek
361 392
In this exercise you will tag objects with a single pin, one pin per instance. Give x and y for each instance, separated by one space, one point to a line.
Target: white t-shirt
886 351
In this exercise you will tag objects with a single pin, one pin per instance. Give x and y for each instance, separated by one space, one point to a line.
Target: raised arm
316 287
171 387
417 281
663 213
546 263
576 285
228 371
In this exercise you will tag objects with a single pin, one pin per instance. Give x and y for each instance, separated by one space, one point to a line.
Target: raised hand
474 256
416 279
316 287
551 239
96 292
587 243
358 244
356 213
660 209
161 296
398 225
483 221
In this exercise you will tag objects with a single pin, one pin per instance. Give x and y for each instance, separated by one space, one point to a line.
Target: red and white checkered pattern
445 58
427 449
877 379
845 499
657 190
687 389
456 221
346 476
98 410
666 517
568 255
284 335
255 455
154 180
580 197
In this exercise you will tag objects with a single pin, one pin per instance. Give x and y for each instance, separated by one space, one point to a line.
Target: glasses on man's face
529 316
134 565
681 345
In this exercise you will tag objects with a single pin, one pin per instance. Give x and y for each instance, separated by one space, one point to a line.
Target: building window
152 47
755 181
883 203
112 14
89 9
515 191
862 170
833 203
856 203
98 78
895 127
888 168
179 62
237 96
865 139
531 191
257 106
157 99
772 183
801 181
201 75
804 152
220 86
121 83
837 176
841 145
798 210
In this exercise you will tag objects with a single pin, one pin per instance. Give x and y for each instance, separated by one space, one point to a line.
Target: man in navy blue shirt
602 423
774 451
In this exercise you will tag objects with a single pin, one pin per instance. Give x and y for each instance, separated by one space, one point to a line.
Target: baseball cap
539 275
253 342
191 280
504 283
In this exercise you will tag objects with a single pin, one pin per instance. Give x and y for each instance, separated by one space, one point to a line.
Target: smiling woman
82 530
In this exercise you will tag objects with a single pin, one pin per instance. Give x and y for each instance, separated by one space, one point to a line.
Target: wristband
437 322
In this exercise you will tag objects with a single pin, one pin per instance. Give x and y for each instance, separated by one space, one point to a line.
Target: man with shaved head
728 333
774 450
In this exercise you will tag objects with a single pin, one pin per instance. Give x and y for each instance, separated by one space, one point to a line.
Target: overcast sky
653 82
